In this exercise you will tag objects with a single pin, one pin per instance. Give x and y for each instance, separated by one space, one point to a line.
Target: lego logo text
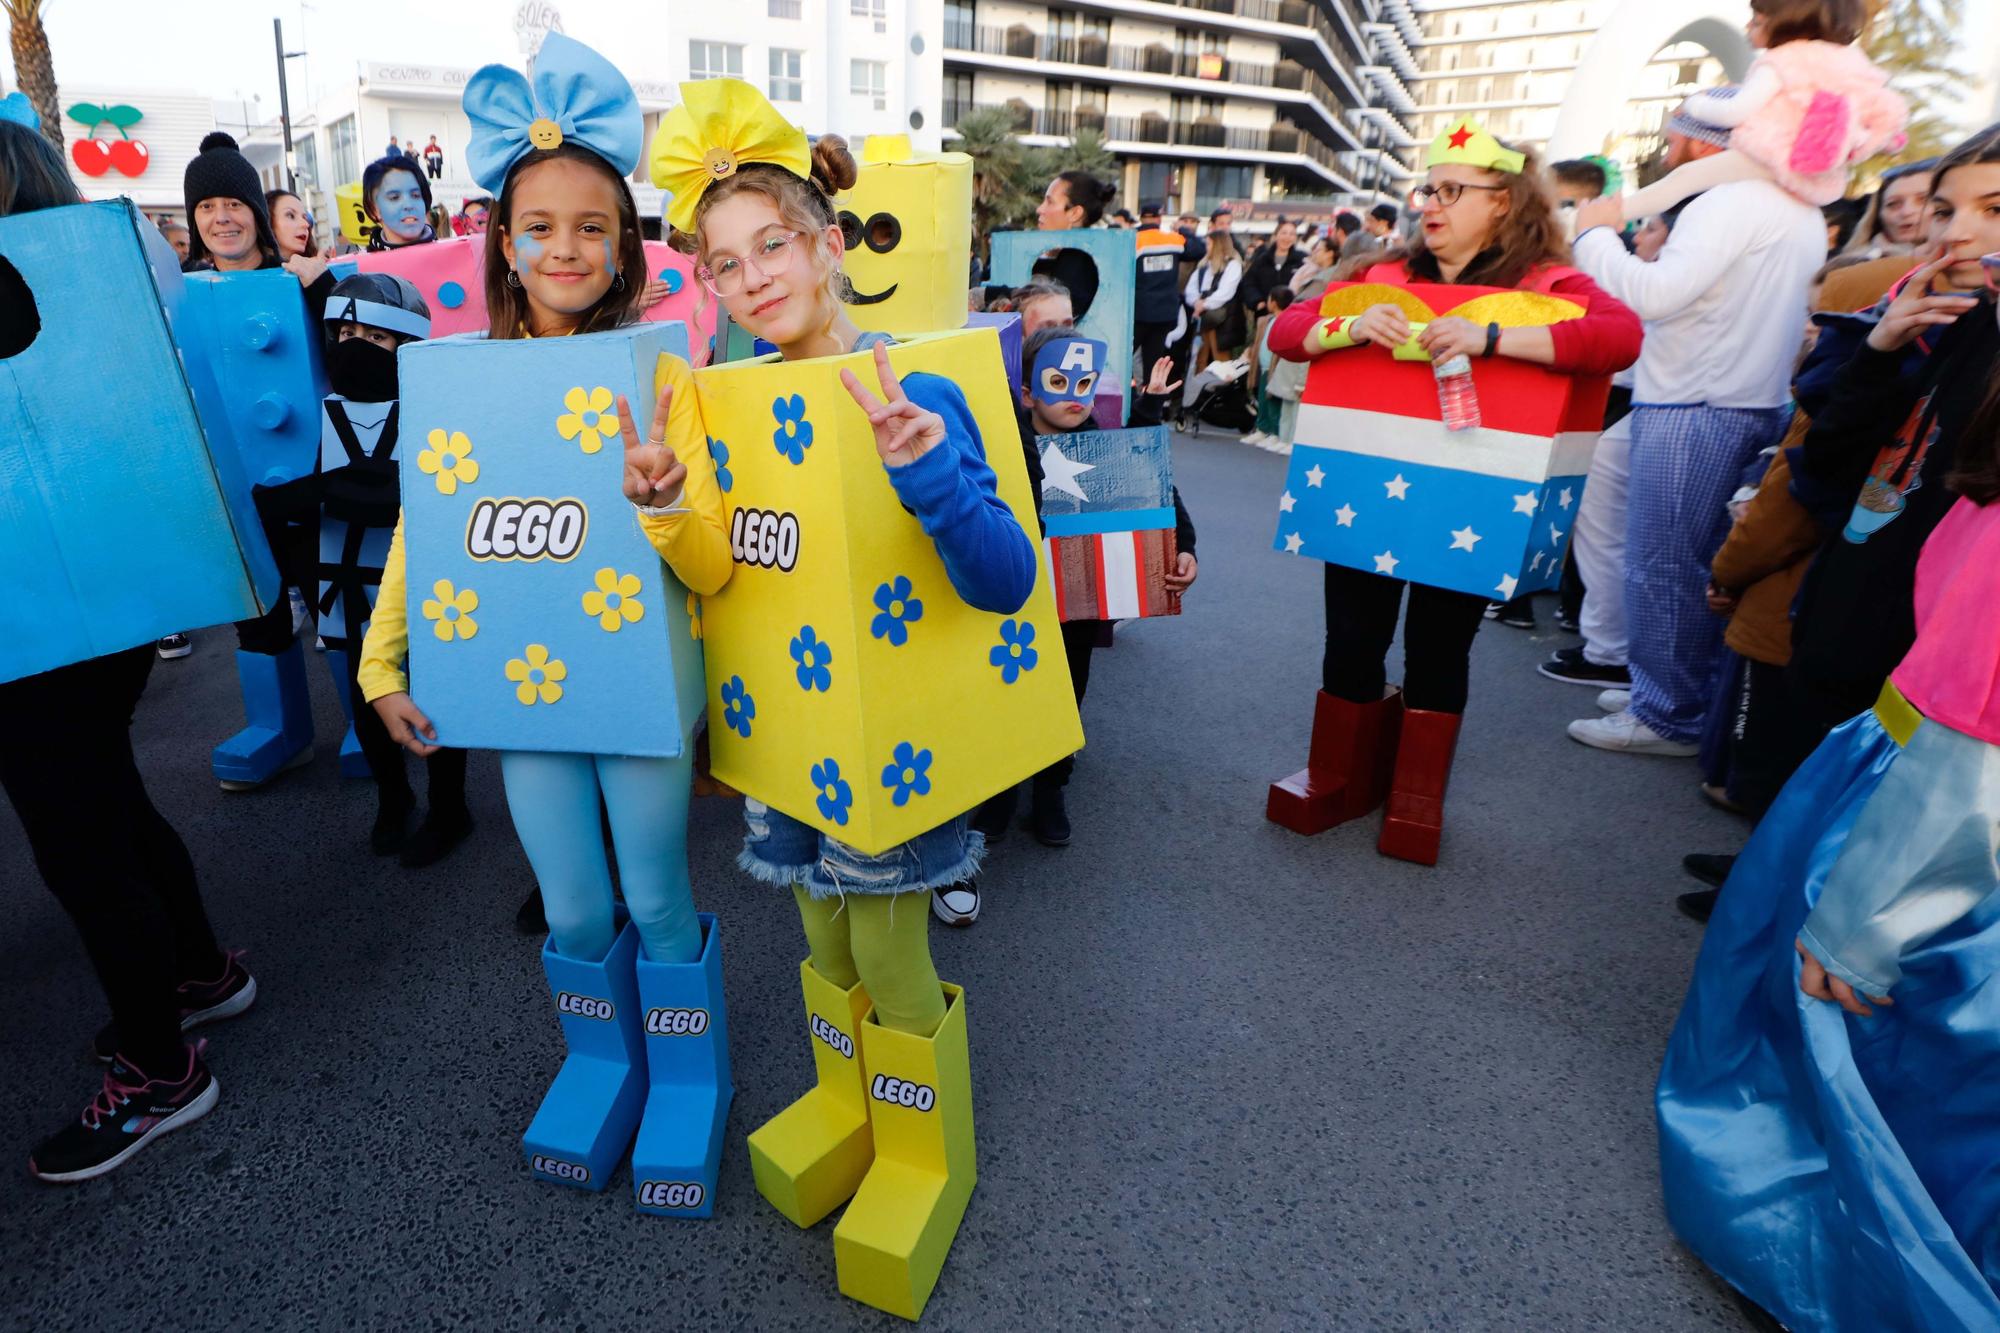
676 1022
511 529
833 1036
899 1092
762 539
671 1194
584 1006
558 1168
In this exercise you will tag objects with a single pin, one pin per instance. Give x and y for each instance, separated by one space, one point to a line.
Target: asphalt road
1226 1077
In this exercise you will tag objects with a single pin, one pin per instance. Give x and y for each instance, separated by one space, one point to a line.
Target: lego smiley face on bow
879 234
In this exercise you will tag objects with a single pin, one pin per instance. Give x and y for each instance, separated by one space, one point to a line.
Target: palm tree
34 69
999 195
1915 40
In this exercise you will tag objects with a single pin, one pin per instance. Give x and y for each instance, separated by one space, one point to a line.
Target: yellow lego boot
810 1157
891 1243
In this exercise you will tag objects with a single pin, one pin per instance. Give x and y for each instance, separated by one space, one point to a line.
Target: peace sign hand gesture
654 473
904 432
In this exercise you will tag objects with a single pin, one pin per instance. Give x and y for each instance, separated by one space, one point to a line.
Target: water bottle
1458 401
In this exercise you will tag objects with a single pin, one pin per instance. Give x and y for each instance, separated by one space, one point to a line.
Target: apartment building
1294 105
1510 62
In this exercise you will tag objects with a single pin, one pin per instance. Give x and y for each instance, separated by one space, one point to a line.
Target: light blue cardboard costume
544 624
1115 252
180 548
253 331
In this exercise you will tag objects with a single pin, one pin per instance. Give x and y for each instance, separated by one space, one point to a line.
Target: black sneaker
173 646
992 816
1699 905
130 1111
228 995
530 919
1708 867
1567 623
435 838
1569 666
392 828
1049 816
1517 614
956 904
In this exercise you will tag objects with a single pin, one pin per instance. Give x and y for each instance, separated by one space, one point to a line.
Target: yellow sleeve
387 645
695 543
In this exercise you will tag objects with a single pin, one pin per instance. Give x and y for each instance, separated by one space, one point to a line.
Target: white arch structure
1631 37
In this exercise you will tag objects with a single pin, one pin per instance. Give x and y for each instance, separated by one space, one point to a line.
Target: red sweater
1606 339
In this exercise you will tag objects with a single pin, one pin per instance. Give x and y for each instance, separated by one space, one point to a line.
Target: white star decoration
1060 473
1566 497
1398 489
1344 516
1524 503
1315 475
1464 539
1293 542
1285 502
1386 563
1555 534
1536 563
1507 585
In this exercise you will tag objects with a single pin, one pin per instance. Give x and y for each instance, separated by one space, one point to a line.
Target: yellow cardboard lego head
909 232
848 684
354 222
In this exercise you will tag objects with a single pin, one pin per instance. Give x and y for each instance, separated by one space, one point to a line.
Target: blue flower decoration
897 609
720 453
813 658
737 707
1015 652
835 796
794 434
909 775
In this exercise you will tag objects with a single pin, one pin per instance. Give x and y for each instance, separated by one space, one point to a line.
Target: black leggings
1437 639
112 861
1080 640
446 768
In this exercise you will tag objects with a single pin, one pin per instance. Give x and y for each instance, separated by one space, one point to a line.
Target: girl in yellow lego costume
890 1123
564 237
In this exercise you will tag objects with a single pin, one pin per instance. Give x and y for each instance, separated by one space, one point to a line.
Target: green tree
1000 196
34 67
1084 152
1915 41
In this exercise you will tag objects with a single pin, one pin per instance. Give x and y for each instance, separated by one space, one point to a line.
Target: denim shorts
778 849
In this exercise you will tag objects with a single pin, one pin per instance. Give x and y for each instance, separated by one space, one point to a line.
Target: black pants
1080 640
1149 344
446 768
112 861
1772 732
1361 611
293 533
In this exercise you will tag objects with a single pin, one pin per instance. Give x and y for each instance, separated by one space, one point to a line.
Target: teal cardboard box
1114 253
121 519
541 618
254 331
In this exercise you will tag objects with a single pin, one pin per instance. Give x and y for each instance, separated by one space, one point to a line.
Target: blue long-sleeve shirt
954 495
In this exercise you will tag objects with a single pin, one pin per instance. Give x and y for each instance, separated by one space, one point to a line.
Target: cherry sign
95 156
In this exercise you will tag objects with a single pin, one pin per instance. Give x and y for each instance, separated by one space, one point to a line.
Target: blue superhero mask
1066 370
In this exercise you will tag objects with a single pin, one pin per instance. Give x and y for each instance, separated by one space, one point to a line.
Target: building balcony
1390 87
1380 127
1391 49
1398 12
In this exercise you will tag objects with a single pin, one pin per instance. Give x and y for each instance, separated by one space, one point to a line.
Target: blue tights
554 800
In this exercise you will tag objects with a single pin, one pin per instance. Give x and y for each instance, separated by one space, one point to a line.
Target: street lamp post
285 101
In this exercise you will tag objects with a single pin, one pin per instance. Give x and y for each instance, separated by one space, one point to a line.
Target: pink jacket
1952 673
1807 112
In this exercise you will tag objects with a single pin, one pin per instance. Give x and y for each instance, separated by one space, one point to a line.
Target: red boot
1415 819
1347 767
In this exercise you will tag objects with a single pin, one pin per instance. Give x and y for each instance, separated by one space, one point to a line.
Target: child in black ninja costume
368 316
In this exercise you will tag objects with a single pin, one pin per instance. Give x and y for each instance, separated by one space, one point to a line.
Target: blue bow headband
577 97
17 108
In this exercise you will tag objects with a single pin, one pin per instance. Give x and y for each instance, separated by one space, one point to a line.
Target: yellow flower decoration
449 460
614 601
537 675
720 126
589 418
694 616
452 610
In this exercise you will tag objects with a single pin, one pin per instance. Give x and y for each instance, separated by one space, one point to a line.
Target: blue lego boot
679 1152
353 763
279 712
587 1119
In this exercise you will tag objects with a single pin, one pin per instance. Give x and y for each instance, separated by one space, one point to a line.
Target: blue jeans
778 849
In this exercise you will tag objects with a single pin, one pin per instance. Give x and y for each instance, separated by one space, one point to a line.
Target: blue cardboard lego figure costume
84 580
544 614
1115 253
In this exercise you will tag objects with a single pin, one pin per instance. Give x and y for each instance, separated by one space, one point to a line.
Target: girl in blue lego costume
754 206
565 235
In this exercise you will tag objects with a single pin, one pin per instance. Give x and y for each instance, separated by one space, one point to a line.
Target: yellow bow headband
720 126
1467 144
1510 310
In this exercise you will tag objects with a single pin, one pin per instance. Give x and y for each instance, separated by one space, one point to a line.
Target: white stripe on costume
1421 440
1121 576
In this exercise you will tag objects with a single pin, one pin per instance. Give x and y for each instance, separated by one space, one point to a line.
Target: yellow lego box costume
912 215
848 684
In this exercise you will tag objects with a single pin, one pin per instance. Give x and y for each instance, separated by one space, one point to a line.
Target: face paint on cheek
611 260
527 253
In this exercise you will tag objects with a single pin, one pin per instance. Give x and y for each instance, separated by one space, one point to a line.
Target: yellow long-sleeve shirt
694 541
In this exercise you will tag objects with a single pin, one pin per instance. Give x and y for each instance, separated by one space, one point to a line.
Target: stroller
1220 397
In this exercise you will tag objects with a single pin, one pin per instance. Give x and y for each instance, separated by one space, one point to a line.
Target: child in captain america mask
1062 380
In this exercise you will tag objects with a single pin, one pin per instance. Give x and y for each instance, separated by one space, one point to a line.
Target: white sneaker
1249 437
956 904
1280 447
1622 731
1615 701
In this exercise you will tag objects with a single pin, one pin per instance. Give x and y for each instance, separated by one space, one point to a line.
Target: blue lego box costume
541 618
1115 254
177 546
254 330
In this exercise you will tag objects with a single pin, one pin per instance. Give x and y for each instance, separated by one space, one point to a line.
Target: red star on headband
1460 136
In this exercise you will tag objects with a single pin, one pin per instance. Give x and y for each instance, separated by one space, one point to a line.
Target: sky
152 45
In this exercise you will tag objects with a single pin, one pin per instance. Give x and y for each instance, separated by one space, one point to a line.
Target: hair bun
216 139
833 167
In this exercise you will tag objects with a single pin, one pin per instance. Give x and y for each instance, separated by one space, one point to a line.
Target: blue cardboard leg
279 712
587 1119
679 1152
353 764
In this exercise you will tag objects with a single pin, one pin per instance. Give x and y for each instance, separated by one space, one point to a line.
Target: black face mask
362 372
